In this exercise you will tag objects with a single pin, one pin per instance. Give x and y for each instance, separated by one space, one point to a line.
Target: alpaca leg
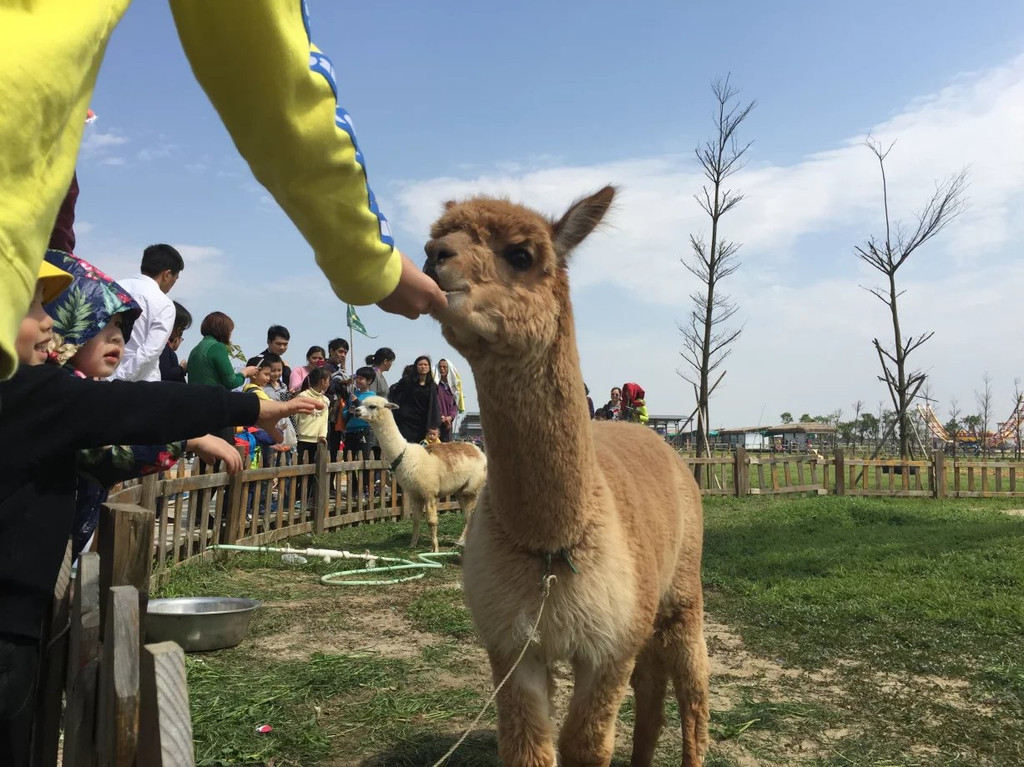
468 504
524 713
417 512
432 522
588 735
650 680
686 657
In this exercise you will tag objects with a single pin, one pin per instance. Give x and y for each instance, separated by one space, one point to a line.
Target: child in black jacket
45 417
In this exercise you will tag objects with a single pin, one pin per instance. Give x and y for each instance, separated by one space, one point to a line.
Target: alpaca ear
391 406
580 220
450 204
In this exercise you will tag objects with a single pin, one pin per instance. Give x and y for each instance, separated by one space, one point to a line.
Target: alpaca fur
426 474
610 499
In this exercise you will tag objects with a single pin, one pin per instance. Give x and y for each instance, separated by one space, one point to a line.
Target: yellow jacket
311 427
273 89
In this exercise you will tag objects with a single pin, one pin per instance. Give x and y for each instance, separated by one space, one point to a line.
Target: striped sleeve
277 94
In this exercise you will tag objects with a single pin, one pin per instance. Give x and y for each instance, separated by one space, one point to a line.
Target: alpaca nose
438 251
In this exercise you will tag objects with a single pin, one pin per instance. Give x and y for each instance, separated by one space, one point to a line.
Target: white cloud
95 140
808 324
156 152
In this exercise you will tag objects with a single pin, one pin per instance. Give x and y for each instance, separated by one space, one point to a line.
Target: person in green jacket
209 362
275 92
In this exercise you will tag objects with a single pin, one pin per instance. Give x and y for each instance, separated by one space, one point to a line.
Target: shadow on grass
480 749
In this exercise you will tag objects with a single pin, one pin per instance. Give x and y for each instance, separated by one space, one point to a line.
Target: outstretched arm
277 95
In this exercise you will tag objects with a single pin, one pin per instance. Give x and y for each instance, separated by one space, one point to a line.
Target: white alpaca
449 468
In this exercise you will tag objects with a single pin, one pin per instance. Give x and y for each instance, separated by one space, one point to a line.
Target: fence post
83 660
323 490
148 500
165 724
117 725
235 510
939 469
840 472
126 553
741 471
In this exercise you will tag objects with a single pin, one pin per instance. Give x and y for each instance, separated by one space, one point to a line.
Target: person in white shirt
161 265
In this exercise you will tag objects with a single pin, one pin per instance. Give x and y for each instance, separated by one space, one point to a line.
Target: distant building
798 436
750 437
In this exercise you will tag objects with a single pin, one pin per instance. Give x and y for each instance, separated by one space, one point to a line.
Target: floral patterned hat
84 309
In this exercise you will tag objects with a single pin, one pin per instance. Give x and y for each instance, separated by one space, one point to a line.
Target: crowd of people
632 407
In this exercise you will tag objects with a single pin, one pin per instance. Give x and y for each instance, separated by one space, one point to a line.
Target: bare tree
887 256
984 400
706 337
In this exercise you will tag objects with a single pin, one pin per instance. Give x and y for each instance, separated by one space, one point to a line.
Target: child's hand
271 412
211 449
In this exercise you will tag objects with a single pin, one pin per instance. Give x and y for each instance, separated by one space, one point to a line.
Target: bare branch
887 256
706 341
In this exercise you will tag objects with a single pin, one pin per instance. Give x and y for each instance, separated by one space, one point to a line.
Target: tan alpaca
609 499
427 474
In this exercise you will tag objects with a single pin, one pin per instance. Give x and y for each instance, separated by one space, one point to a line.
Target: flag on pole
356 324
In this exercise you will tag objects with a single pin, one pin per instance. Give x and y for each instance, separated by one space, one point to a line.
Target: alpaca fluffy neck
541 464
389 438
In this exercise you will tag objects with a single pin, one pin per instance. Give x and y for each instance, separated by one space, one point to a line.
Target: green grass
903 597
909 610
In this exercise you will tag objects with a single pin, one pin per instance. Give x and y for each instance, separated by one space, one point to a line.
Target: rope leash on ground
348 577
545 591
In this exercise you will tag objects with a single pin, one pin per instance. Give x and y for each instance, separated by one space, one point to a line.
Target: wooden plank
323 488
83 663
53 670
235 508
207 481
840 462
125 547
118 718
741 472
165 722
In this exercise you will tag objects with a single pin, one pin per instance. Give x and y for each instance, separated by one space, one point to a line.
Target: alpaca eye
519 258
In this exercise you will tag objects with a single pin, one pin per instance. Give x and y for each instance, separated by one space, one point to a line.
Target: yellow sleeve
277 96
50 54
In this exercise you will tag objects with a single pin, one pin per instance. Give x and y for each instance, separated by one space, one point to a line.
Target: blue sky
548 101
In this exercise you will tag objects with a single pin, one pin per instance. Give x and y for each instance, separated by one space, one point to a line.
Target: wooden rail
125 702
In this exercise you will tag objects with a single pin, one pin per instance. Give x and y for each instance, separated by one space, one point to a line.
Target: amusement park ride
1006 434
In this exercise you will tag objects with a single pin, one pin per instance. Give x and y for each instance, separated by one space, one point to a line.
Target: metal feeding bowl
199 624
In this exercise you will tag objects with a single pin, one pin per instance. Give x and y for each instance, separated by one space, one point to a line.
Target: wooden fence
262 506
127 703
939 476
265 505
117 701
